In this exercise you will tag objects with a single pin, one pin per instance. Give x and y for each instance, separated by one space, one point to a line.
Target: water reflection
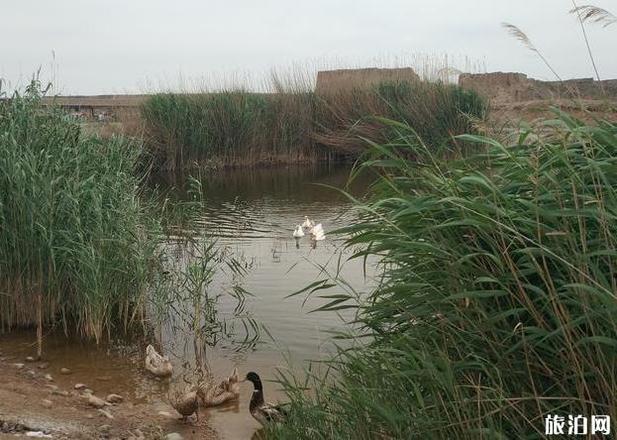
252 215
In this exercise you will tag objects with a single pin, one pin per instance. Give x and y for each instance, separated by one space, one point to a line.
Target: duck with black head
262 411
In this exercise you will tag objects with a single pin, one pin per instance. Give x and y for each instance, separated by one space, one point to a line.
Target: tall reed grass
74 241
295 125
497 305
230 127
435 110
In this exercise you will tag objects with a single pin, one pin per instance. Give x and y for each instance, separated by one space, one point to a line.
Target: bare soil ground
528 111
30 402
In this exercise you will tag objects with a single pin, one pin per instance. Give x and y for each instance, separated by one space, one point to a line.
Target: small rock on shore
47 403
106 413
114 398
94 401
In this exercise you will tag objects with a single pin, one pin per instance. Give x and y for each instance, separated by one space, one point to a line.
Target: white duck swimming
298 232
317 232
308 223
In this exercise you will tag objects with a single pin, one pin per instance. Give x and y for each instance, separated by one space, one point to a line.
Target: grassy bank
498 303
74 242
243 128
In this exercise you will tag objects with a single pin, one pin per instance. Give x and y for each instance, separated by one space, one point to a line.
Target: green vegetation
497 305
242 128
436 111
74 244
233 128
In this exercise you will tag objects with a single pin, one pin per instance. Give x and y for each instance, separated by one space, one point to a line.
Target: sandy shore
30 401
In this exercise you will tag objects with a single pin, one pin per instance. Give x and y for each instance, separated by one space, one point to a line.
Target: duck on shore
186 403
157 364
262 411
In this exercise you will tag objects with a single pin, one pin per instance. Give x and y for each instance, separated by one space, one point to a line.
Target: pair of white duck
316 230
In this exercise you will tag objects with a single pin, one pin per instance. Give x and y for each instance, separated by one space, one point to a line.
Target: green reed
436 111
497 305
234 128
243 128
74 240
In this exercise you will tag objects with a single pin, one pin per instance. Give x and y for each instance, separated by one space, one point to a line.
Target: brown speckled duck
186 403
228 389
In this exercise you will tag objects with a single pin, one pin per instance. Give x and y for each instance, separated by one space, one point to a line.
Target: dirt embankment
31 400
514 97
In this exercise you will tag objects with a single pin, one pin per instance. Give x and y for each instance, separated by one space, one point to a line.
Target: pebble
47 403
106 413
31 373
88 391
65 371
49 378
104 428
95 401
52 386
114 398
89 416
38 434
79 386
19 366
104 378
43 366
164 414
61 393
137 435
29 359
174 436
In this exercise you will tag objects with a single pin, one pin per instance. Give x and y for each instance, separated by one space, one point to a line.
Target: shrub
497 305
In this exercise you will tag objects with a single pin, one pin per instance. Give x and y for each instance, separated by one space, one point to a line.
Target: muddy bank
34 399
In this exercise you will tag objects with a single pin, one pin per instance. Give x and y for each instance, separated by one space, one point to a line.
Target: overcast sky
118 46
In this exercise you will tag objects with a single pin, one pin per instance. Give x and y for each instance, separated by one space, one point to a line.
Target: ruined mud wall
347 79
507 87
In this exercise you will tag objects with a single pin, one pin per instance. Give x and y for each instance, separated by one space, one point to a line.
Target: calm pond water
250 214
